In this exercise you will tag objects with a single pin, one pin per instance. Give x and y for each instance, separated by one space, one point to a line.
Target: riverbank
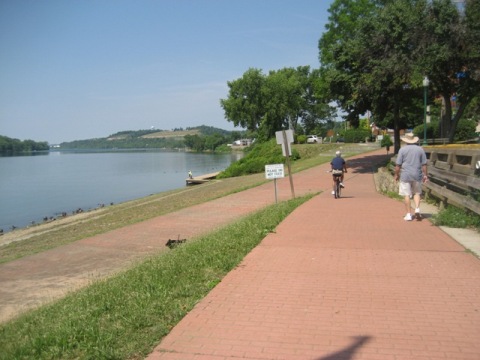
34 239
41 237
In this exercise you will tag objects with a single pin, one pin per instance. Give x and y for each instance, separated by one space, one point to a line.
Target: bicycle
337 189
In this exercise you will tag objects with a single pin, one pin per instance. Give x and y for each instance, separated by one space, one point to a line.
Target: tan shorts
410 188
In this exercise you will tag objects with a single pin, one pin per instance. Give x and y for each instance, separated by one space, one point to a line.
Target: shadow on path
367 164
348 352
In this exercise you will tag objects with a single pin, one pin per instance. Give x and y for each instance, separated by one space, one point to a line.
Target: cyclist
339 167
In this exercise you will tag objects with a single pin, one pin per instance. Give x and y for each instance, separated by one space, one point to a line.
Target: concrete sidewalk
340 279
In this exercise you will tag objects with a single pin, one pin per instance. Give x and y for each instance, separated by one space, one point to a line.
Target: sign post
285 138
274 172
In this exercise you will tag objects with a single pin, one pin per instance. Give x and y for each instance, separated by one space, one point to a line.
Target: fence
454 176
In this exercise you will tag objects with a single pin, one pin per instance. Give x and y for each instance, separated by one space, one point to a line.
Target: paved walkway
340 279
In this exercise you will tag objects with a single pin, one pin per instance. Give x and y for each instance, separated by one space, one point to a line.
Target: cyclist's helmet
338 153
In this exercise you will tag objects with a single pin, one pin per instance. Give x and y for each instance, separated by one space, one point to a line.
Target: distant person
339 167
190 175
411 169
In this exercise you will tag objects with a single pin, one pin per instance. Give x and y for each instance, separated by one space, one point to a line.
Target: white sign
280 141
279 136
274 171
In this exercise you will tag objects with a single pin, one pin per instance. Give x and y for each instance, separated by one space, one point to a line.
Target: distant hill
140 139
155 134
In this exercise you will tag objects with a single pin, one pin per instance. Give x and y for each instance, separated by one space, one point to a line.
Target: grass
456 218
125 316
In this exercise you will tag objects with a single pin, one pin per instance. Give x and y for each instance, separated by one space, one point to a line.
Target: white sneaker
408 217
333 192
341 184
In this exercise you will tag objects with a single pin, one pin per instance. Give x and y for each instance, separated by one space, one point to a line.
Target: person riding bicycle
339 167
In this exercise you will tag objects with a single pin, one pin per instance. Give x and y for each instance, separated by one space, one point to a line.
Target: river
46 185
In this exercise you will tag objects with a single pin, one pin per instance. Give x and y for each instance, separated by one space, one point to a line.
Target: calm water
34 187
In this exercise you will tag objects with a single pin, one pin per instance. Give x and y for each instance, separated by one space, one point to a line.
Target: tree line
389 58
207 139
10 145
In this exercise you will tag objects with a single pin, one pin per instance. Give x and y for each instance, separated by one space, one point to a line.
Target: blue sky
80 69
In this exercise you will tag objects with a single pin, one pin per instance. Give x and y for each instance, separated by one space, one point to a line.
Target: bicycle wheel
339 189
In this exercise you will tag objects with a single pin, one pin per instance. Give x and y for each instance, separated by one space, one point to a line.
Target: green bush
356 135
256 158
465 130
301 139
386 141
432 131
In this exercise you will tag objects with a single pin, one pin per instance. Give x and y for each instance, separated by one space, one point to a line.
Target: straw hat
410 138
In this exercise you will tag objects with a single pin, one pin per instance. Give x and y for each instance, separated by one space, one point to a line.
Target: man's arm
425 173
397 172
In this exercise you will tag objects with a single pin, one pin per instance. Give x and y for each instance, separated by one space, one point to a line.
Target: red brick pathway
340 279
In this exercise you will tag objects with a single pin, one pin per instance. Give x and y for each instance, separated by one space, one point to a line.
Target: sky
82 69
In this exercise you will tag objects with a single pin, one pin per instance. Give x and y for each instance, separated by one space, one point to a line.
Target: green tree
450 57
317 109
283 92
195 142
374 68
244 105
375 54
338 69
9 145
213 141
284 99
387 67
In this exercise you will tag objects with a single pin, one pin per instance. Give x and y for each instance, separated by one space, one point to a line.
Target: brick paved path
340 279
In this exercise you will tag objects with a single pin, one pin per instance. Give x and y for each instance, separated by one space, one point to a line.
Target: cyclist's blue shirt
337 163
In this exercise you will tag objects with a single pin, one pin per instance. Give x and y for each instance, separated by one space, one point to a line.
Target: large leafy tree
388 80
338 68
373 69
450 46
384 50
283 99
245 105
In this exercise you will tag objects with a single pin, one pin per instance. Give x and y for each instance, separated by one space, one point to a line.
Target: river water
49 184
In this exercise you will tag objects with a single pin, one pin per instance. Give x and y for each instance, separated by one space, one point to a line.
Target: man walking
411 169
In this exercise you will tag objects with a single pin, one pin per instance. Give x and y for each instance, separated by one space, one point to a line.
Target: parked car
313 139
